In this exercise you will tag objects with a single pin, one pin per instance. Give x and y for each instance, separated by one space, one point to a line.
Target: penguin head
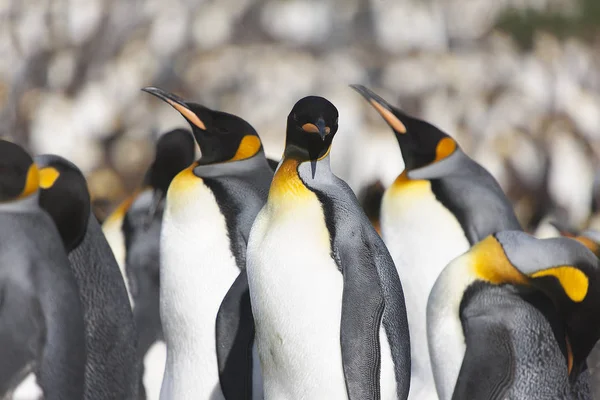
420 142
221 136
64 195
311 126
562 268
19 175
174 151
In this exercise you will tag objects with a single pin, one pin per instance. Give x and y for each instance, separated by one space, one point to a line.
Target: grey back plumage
35 274
112 369
511 348
471 193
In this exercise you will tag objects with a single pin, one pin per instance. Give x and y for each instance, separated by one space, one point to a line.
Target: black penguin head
174 152
18 173
420 142
221 136
64 195
311 126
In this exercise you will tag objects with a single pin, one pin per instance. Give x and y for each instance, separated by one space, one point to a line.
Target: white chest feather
296 291
422 237
444 329
197 270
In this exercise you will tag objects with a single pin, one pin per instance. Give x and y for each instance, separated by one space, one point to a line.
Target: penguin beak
322 128
177 103
385 109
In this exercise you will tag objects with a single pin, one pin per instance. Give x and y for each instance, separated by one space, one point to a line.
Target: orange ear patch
389 117
573 281
188 114
48 176
249 146
444 148
32 183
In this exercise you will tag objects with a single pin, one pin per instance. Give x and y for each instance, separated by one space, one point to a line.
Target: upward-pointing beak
383 108
177 103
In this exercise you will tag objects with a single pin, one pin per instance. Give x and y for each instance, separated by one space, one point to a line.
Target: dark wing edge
478 377
234 340
394 318
362 310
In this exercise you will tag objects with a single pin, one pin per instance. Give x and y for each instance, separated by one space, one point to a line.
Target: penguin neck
25 204
258 162
293 178
445 334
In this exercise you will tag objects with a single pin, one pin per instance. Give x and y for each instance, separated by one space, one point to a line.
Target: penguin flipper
362 310
234 340
487 370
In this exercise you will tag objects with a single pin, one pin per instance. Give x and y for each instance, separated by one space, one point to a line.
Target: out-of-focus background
516 82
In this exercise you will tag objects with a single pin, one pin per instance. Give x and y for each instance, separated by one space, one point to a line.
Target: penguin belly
198 268
296 294
422 236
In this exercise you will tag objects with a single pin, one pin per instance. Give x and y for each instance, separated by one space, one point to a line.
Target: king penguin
140 230
463 343
441 204
111 370
204 301
41 317
327 301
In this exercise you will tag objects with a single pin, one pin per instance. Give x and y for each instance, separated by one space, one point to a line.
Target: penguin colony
266 279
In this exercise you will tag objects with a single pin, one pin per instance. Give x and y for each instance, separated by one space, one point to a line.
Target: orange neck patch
491 265
249 146
404 185
286 182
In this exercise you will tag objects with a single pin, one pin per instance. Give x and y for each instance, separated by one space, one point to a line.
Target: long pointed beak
177 103
384 108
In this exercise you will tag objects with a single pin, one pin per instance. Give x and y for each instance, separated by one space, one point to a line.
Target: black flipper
234 340
362 310
488 366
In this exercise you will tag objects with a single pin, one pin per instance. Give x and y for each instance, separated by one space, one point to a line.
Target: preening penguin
562 269
441 204
41 318
204 303
327 301
111 370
